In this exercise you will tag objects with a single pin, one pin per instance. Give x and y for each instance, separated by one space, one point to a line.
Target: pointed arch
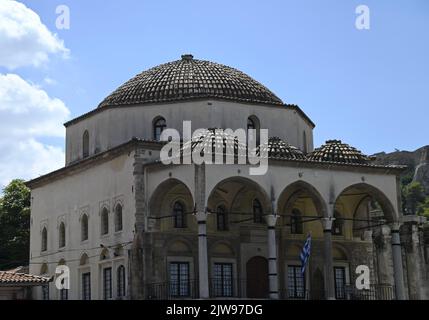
62 235
84 234
85 144
44 244
118 217
84 259
104 221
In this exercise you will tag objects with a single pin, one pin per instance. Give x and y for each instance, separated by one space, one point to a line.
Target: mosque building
129 226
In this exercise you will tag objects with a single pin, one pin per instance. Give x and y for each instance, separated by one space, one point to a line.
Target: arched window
104 255
85 144
62 235
44 269
221 217
250 124
84 260
304 142
45 288
179 215
296 222
118 217
121 281
159 124
104 221
337 225
64 293
44 239
84 228
253 124
258 213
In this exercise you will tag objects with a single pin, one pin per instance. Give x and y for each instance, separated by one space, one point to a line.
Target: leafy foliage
414 199
14 225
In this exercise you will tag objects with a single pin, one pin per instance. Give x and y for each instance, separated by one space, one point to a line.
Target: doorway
257 277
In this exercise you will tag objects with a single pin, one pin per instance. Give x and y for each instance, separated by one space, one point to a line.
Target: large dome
188 79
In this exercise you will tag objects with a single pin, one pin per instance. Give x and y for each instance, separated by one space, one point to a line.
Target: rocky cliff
417 162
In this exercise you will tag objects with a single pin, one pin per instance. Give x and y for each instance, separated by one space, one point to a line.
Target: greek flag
305 253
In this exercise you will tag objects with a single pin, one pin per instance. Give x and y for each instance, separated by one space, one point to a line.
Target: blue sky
369 88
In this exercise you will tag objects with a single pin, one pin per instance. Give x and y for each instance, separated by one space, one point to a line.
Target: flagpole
307 279
305 259
307 275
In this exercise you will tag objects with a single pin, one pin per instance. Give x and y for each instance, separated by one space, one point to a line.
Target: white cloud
27 114
24 39
50 81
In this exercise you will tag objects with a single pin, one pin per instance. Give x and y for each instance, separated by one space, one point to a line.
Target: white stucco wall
66 199
118 125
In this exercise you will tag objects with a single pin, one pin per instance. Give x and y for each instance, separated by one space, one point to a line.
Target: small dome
277 148
188 79
216 138
336 151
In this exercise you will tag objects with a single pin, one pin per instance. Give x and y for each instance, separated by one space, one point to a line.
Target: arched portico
313 209
162 209
301 206
299 190
248 204
238 195
372 208
359 191
221 174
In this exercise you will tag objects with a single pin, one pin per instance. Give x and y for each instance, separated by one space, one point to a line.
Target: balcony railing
375 292
172 290
237 289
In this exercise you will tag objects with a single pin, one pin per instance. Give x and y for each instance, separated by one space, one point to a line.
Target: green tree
414 198
424 208
14 225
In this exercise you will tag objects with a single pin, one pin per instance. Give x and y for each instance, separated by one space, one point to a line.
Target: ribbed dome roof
277 148
189 78
336 151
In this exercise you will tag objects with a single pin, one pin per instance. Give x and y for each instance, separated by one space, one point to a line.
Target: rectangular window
86 286
121 281
222 281
179 279
295 282
107 283
45 292
64 294
340 282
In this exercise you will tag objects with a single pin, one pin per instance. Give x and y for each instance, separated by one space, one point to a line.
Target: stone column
201 216
203 268
398 272
327 248
272 256
383 254
413 240
138 268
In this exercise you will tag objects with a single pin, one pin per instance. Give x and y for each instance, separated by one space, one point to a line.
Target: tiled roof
277 148
217 139
336 151
190 78
10 277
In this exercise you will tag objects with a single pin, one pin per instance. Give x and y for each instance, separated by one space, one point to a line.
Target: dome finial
187 57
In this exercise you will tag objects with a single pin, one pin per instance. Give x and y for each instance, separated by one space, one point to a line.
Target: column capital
394 226
201 216
327 223
271 220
